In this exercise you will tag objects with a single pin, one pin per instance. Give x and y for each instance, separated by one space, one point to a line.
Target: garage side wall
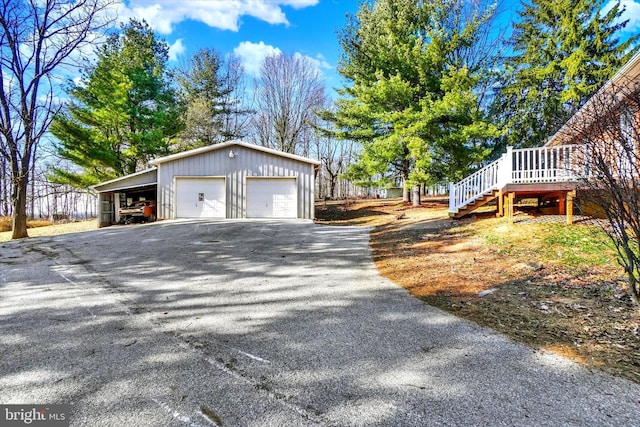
245 163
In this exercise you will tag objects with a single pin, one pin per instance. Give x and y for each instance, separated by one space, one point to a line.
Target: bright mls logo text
52 415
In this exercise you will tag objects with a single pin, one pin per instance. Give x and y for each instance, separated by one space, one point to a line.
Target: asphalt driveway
263 323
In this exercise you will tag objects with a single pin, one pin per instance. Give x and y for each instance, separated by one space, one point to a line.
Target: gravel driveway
263 323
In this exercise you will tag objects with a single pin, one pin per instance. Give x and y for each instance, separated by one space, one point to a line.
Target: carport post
99 209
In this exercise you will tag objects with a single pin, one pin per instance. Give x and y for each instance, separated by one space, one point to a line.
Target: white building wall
246 162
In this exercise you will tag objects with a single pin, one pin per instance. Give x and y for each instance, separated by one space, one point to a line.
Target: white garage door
200 198
272 198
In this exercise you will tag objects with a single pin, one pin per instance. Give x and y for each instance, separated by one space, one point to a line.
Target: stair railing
479 183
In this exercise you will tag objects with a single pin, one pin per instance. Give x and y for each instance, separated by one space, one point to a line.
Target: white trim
119 189
228 144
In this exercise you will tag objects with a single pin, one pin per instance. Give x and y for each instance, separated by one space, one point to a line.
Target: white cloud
632 13
176 49
251 55
322 62
163 15
79 81
319 62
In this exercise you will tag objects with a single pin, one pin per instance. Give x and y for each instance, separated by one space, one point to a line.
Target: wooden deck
544 173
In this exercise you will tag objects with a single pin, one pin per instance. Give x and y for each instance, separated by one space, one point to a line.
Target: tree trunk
416 195
20 208
32 213
406 193
4 208
633 288
32 202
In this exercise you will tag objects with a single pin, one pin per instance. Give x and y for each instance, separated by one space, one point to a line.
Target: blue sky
252 29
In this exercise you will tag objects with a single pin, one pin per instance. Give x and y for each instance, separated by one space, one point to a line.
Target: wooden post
500 205
505 204
570 196
562 204
511 198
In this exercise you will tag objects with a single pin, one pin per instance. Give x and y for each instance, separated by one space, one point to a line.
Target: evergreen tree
564 50
210 89
124 112
412 102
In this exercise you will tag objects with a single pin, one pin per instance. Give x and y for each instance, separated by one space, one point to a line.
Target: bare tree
236 117
288 93
608 127
36 38
334 154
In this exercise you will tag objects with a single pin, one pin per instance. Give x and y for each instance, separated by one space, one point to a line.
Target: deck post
505 168
452 197
505 204
500 212
570 196
511 199
562 204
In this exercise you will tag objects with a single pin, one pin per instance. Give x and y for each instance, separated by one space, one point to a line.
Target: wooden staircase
485 198
479 188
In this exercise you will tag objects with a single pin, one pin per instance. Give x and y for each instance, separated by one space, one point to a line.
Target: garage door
272 198
200 198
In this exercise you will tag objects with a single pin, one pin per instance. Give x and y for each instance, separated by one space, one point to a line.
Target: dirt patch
549 285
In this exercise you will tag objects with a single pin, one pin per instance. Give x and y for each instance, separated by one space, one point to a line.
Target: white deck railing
520 166
548 164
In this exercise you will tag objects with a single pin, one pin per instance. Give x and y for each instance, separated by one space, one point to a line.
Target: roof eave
227 144
121 178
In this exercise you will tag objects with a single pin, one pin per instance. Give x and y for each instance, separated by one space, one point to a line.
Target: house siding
247 162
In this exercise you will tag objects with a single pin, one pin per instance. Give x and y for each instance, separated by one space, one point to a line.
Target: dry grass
45 228
552 286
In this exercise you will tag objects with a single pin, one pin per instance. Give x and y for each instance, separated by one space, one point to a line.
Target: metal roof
124 182
228 144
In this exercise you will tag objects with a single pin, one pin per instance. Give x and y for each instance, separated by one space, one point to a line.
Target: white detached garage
235 179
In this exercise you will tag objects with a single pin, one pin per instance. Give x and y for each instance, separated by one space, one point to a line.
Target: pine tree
123 114
564 50
210 89
412 100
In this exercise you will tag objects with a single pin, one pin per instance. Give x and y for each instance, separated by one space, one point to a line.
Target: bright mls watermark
35 415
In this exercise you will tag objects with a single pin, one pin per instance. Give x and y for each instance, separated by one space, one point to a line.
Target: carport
123 191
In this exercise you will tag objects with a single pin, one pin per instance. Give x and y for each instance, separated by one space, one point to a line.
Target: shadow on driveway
263 323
